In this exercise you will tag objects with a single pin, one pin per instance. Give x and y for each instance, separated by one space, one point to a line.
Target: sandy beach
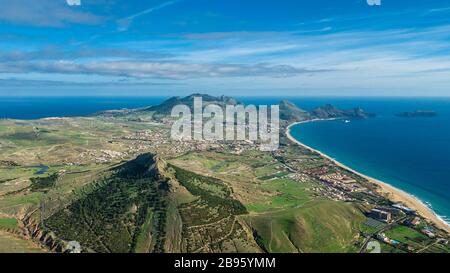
392 193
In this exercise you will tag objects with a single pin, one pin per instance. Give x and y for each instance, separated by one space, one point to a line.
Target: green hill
329 111
319 226
290 112
112 213
165 108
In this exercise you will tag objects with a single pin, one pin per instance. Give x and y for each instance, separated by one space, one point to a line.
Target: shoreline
392 193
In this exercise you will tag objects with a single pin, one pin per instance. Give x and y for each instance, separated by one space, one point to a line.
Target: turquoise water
412 154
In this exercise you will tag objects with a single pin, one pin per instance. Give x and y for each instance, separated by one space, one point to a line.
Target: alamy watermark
227 123
73 2
374 2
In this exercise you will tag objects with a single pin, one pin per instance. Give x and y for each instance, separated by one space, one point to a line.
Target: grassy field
208 201
267 170
286 193
368 230
287 216
239 175
144 239
11 244
385 248
240 167
8 223
11 204
319 226
438 248
409 236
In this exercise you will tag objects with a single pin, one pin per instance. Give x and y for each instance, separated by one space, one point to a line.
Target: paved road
383 229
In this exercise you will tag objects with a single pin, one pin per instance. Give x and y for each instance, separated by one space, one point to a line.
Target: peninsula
116 182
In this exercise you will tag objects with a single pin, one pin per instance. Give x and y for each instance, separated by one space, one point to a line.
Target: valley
117 182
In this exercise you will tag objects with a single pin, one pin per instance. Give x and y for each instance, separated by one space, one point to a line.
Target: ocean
43 107
412 154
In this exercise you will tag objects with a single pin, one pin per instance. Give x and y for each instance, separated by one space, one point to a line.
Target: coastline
392 193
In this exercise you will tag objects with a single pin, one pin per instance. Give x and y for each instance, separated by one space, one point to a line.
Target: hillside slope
320 227
145 205
114 211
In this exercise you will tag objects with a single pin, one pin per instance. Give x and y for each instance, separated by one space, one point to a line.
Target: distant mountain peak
165 107
330 111
290 112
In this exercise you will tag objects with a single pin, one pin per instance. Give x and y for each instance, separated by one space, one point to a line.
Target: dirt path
220 239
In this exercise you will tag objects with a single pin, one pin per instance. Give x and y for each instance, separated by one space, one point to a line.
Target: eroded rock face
46 239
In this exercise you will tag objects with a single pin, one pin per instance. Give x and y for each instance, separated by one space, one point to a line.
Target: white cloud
164 70
125 23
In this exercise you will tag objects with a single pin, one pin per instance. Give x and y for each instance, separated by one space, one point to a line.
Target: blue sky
234 47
